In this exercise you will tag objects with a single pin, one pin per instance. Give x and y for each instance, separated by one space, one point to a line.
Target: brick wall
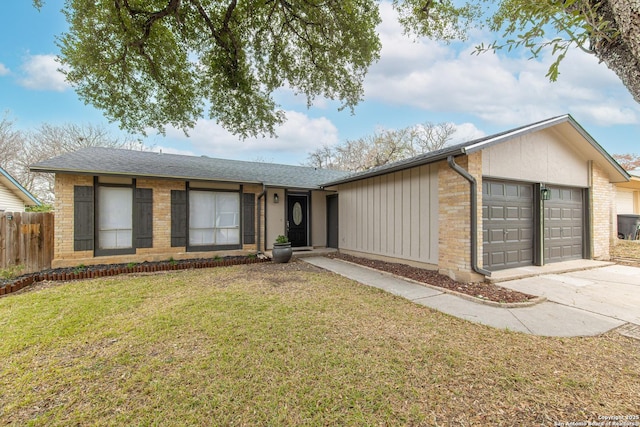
65 256
454 256
603 227
63 224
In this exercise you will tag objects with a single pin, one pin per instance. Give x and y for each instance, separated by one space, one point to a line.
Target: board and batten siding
393 215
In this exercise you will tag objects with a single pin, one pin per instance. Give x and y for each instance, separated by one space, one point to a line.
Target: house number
297 213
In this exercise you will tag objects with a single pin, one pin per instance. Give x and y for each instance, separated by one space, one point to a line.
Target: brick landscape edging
88 273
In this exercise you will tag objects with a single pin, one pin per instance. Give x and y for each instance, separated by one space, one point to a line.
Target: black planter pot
281 252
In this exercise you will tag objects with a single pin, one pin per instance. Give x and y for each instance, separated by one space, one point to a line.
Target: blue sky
414 82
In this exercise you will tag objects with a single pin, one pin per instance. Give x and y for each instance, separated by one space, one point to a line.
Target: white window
214 218
115 225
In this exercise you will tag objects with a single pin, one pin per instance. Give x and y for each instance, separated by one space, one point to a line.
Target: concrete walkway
546 318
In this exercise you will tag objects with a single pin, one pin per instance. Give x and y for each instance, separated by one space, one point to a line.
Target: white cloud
500 89
41 73
466 132
298 136
3 70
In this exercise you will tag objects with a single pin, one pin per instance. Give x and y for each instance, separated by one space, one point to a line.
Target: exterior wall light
545 193
276 199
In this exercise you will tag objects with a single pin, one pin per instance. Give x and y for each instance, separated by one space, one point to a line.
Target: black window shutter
178 218
249 218
143 218
83 220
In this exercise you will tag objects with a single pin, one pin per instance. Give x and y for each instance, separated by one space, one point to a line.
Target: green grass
287 345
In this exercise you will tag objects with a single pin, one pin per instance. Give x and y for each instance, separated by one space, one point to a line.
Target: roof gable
565 125
14 186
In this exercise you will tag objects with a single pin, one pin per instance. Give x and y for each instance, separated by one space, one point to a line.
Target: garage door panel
496 235
563 229
496 212
507 224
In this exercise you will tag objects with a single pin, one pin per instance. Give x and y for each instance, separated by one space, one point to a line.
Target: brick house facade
542 193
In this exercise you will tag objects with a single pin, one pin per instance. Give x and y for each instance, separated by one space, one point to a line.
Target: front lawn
287 344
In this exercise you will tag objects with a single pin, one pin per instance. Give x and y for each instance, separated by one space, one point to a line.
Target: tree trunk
622 55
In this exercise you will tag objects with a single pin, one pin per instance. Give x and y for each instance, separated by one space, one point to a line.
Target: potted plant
281 250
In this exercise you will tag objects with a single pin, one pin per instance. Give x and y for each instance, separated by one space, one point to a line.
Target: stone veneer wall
603 227
65 256
454 258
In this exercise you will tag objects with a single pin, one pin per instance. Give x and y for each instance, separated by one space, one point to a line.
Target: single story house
13 196
540 193
120 206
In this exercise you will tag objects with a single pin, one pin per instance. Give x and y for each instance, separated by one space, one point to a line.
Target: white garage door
624 202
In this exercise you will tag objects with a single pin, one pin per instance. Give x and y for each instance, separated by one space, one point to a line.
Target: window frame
98 251
214 247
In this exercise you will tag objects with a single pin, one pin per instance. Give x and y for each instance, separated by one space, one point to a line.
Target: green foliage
282 239
79 268
152 64
549 24
11 272
42 208
172 261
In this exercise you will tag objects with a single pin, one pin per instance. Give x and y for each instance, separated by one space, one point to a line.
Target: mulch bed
482 290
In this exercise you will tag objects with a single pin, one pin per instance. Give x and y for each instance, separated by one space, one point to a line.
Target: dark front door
332 221
297 220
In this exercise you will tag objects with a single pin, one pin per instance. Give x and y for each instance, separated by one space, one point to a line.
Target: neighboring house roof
634 182
15 187
590 149
110 161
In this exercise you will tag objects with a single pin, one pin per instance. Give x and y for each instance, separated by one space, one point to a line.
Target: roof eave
23 193
405 165
134 175
515 133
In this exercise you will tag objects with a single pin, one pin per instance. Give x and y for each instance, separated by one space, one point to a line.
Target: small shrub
282 239
79 268
11 272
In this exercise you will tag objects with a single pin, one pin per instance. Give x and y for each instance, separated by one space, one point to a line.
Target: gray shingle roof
109 161
476 145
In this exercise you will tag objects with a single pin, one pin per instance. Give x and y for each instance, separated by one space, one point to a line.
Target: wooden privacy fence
26 239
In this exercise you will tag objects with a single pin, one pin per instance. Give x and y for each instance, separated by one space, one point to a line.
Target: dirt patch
482 290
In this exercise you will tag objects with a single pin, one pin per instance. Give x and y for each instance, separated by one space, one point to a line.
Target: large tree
11 141
629 161
20 149
152 63
384 146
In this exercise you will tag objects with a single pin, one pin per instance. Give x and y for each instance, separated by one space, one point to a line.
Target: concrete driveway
612 291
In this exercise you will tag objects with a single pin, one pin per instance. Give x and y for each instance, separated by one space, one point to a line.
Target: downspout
474 215
261 195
